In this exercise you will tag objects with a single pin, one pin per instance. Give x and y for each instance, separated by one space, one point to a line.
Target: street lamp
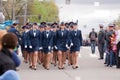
13 10
25 11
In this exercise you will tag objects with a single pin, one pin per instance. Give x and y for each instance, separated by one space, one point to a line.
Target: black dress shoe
55 64
43 65
107 65
100 58
26 62
76 66
30 66
62 68
118 67
47 68
59 68
34 68
39 63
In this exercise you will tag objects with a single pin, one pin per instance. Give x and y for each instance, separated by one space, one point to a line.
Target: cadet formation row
50 43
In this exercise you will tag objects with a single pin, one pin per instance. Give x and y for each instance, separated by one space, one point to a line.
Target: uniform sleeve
40 39
16 59
51 39
68 37
29 43
54 39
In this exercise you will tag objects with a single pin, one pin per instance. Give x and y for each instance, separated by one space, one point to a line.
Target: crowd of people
108 41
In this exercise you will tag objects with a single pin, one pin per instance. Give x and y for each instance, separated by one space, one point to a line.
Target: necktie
75 33
34 32
47 34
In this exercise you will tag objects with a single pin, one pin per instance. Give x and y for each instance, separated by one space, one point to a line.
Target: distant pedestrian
101 42
93 39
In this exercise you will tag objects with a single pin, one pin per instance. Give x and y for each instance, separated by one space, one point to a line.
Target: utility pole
67 2
25 12
0 5
2 17
13 10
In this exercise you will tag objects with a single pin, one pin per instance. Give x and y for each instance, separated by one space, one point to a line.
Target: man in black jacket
93 38
101 42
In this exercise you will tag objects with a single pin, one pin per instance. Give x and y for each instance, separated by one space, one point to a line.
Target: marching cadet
34 42
67 25
62 44
69 52
54 60
40 52
76 43
24 44
47 41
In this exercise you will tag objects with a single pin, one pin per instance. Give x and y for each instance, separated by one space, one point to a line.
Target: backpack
93 36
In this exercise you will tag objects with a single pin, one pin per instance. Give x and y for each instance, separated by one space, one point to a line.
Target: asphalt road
90 68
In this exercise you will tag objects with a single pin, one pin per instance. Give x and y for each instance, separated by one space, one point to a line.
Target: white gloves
49 47
30 47
55 47
71 44
25 46
67 46
40 48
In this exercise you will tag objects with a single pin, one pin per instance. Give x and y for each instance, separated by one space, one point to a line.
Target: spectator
9 42
93 38
101 42
14 56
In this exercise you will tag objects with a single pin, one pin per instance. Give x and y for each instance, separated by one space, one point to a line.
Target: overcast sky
89 12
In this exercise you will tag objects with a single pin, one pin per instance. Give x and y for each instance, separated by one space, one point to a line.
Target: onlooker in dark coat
9 42
101 42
